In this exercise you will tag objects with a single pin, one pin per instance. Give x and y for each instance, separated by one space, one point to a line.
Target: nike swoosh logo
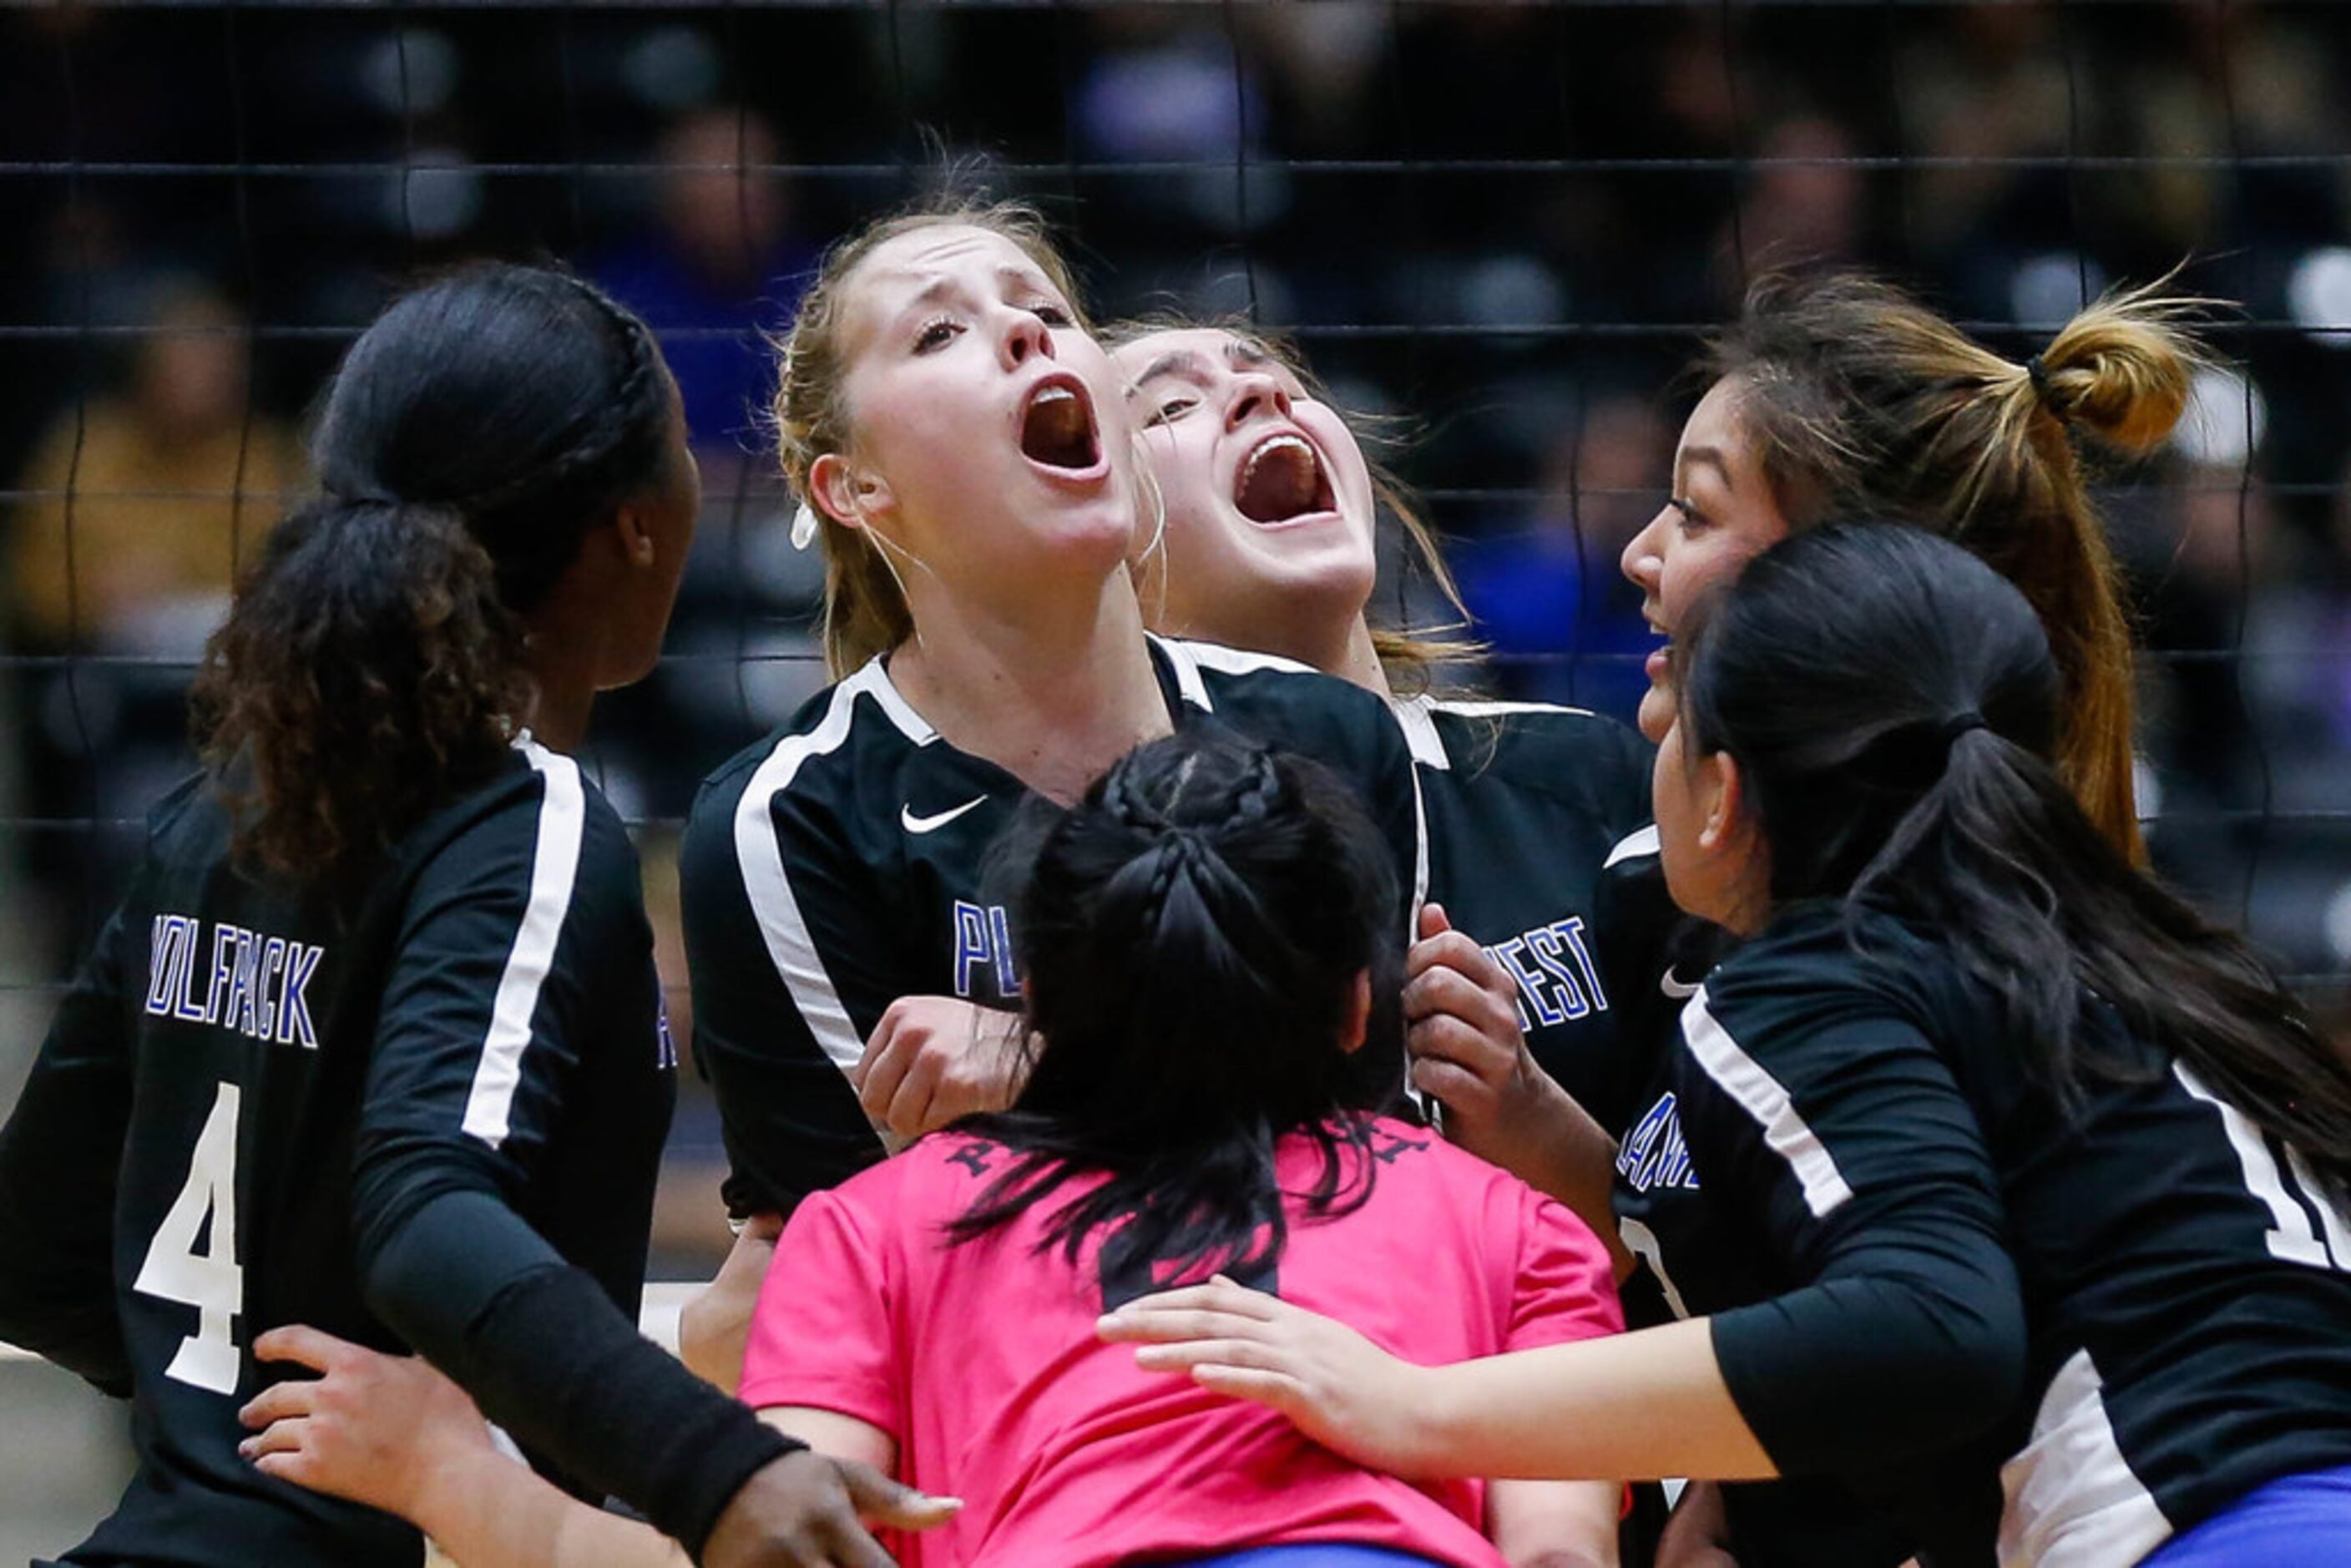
1678 990
913 824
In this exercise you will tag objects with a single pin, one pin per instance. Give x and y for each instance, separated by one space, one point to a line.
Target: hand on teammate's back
804 1511
383 1430
1334 1385
934 1059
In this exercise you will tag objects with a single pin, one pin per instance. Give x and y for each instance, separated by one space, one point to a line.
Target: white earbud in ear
803 527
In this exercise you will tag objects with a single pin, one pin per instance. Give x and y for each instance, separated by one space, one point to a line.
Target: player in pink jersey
1208 953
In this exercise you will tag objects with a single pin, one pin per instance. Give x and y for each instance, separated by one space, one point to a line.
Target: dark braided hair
1193 932
371 667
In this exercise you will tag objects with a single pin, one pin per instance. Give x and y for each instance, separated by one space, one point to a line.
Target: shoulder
932 1180
1214 678
542 813
825 766
1565 749
1821 954
831 733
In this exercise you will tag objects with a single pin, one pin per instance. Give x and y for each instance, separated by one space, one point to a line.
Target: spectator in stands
1547 597
143 502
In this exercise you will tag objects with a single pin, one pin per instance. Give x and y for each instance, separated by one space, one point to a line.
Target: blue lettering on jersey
259 985
1556 978
1654 1155
983 939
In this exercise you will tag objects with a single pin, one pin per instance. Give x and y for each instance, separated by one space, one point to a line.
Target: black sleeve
494 977
793 964
60 1157
1846 1141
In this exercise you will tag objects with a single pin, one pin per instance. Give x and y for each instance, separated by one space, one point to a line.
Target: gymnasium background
1498 227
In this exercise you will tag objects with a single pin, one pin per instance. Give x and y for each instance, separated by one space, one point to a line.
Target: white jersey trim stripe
874 677
1420 737
554 868
1501 709
1767 1099
1632 846
2069 1498
1234 660
762 859
1188 684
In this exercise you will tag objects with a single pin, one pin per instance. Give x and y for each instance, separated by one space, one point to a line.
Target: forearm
500 1515
1554 1524
716 1323
1635 1406
549 1358
1575 1162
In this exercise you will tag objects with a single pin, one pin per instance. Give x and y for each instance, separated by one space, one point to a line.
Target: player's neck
1355 659
562 678
1053 700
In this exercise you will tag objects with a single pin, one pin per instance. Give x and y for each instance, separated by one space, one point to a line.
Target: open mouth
1280 480
1660 664
1057 428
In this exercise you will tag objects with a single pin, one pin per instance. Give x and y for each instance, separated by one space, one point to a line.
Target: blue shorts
2292 1523
1310 1554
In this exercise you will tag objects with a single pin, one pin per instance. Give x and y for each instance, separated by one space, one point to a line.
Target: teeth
1055 394
1273 444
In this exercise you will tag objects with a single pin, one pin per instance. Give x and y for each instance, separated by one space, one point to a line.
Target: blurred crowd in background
1496 230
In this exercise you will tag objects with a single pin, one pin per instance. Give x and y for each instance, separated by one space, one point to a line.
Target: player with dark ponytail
374 1042
1993 1183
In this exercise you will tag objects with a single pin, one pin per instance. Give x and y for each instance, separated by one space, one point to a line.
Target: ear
845 494
1357 1025
636 537
1722 794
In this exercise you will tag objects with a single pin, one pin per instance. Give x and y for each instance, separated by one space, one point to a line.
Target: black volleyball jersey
247 1080
2140 1310
842 863
1525 803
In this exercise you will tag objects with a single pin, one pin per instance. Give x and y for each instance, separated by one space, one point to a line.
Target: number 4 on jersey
209 1281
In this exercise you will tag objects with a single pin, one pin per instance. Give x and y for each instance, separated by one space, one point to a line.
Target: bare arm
1628 1406
1554 1524
713 1325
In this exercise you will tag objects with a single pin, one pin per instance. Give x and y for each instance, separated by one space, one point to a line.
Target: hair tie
2039 375
803 527
1958 723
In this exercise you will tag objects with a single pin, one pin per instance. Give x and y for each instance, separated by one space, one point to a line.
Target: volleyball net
1501 228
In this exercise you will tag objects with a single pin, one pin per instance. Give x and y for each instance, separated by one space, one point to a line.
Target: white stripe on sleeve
554 865
1766 1099
777 910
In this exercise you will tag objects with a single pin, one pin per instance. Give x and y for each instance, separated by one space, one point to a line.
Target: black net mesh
1502 225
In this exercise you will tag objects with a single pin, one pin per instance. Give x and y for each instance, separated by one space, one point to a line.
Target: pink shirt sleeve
821 1335
1566 1286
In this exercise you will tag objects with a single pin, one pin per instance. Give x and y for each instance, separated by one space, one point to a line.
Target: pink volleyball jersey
981 1361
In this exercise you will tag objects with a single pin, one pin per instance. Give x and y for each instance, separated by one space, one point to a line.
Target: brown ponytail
1865 405
368 672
